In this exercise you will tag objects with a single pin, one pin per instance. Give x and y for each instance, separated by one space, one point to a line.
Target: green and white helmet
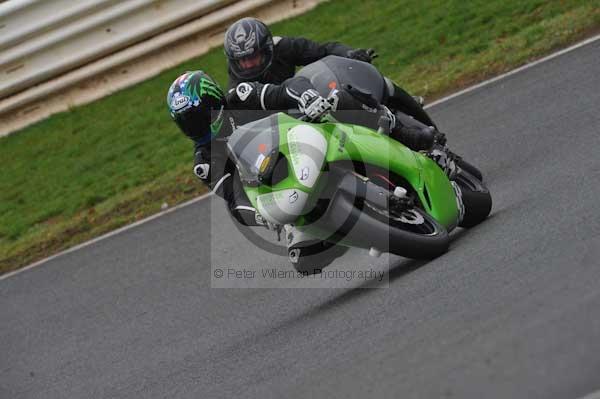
196 103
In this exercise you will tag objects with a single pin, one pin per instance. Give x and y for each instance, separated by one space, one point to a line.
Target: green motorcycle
352 186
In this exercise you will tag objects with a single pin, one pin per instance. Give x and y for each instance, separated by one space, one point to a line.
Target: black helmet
249 48
196 103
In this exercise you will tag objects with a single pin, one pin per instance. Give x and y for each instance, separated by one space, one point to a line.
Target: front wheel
413 233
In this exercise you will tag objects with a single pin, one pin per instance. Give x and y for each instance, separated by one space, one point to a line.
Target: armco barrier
126 66
42 39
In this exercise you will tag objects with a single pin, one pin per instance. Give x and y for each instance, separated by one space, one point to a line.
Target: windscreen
332 72
254 148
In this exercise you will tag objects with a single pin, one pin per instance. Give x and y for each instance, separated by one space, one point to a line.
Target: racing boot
432 142
427 139
466 166
449 161
444 159
415 138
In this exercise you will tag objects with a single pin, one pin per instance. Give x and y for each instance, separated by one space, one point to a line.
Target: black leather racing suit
292 52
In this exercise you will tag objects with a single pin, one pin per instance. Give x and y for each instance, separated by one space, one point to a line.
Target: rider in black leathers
254 55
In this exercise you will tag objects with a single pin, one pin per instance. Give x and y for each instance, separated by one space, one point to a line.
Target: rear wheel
471 169
476 199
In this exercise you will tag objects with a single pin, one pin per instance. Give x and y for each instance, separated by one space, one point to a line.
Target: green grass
86 171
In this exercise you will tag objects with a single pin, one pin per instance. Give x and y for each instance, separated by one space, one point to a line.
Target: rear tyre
476 199
478 206
471 169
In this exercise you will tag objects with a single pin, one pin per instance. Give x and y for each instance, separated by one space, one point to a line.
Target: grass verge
82 173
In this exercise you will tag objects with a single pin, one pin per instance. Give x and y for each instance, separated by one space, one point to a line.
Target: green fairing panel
440 192
357 143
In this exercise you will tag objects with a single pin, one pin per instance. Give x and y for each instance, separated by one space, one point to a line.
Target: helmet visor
252 61
253 65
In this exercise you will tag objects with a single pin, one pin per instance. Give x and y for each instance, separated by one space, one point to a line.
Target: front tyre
413 233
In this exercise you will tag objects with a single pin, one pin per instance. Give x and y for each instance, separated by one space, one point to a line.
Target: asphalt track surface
511 311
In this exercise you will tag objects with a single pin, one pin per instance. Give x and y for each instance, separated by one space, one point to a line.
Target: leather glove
202 170
361 54
390 115
239 94
387 121
313 105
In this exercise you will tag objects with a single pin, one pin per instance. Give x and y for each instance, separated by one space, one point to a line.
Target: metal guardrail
122 67
41 39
